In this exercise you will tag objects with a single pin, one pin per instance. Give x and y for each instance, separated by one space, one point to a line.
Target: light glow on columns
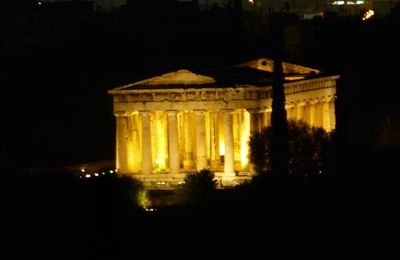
221 147
244 139
251 2
160 149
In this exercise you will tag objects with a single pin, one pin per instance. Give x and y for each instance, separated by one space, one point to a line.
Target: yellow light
143 199
221 147
83 170
158 161
368 15
245 135
251 1
96 174
88 175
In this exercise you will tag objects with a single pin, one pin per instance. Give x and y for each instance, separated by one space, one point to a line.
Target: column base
225 175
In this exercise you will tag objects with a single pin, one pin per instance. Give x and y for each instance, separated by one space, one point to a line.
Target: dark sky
59 64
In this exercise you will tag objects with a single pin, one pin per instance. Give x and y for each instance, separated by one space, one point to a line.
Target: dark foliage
198 187
309 150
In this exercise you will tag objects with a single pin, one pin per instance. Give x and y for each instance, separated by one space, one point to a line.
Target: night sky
59 64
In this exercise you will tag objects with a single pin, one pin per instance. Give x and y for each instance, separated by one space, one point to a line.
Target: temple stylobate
181 122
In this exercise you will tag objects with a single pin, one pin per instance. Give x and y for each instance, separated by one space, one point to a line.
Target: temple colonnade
187 140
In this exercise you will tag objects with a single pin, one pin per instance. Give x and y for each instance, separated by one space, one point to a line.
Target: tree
279 141
198 187
308 150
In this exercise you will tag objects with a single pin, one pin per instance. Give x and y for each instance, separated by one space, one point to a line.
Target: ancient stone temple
184 121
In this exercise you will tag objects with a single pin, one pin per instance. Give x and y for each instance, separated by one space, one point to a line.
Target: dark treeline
59 215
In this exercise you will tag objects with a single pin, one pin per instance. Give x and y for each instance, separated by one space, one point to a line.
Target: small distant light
83 170
96 174
368 15
39 3
111 171
338 3
116 170
88 175
103 173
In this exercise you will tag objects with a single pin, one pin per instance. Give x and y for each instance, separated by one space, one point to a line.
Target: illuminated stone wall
167 130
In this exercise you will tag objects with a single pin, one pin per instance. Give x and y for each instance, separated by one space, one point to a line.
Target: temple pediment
180 77
265 64
254 72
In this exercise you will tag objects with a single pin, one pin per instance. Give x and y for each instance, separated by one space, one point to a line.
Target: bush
198 187
309 150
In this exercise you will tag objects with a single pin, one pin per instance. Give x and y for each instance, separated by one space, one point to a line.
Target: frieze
217 94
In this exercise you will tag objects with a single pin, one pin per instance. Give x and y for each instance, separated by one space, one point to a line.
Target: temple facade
181 122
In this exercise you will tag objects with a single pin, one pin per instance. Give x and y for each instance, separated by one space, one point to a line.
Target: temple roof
268 65
182 77
254 72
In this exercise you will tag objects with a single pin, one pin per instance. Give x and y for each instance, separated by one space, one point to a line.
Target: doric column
313 113
300 111
254 120
228 140
332 113
173 142
214 143
200 140
147 166
188 155
267 117
122 141
326 115
290 111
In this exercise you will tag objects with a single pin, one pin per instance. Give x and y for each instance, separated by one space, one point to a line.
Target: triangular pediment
180 77
288 68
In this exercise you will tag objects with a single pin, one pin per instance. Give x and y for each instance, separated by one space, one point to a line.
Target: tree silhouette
279 141
198 187
308 150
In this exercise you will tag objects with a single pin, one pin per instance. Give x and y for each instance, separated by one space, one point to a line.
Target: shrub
309 150
198 187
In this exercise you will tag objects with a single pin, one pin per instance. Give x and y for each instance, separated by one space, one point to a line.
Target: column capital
313 101
290 105
199 111
145 112
227 110
267 109
327 98
122 113
254 110
171 112
301 103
